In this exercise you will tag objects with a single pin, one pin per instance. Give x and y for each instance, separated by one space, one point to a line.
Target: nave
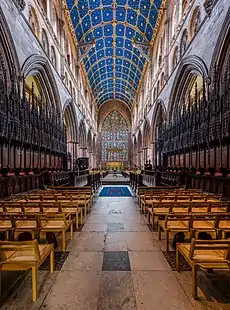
117 262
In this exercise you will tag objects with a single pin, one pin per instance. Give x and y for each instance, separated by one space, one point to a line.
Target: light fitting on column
143 48
84 48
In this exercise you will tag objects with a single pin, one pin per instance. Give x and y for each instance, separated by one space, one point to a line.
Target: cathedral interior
115 154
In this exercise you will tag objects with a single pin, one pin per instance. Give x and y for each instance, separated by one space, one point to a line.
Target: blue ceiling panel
113 64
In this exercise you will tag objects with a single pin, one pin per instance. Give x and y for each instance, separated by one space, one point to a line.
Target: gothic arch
82 135
70 118
108 107
189 67
195 22
139 142
159 110
146 134
89 141
37 65
33 21
9 64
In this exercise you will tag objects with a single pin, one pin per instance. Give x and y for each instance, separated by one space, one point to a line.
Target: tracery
114 138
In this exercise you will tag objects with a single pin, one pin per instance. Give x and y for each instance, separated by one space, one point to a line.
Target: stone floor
115 179
115 262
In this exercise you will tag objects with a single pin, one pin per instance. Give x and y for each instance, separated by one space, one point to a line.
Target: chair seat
5 224
224 224
25 256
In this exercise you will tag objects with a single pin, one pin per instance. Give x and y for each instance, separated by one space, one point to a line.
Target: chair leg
81 216
71 231
52 261
153 220
34 283
63 240
159 232
77 219
177 260
167 241
194 281
7 235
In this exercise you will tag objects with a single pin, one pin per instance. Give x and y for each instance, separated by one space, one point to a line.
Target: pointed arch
82 135
189 67
37 65
146 134
9 64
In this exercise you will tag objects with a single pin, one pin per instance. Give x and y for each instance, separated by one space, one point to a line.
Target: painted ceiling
114 66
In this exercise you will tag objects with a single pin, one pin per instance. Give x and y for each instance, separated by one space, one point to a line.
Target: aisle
115 262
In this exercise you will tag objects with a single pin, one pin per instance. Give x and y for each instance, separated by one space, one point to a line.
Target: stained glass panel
114 138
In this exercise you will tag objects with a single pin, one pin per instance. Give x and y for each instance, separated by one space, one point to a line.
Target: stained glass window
114 138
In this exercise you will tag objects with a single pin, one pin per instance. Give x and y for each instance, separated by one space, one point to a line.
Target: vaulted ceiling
113 64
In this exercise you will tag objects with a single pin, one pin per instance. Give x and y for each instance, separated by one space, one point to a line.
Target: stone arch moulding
108 107
146 133
69 108
8 56
222 45
188 67
159 105
82 134
39 65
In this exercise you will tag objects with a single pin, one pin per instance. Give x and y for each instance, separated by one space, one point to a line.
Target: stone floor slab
116 261
140 241
115 227
148 261
74 290
115 241
89 241
95 227
159 290
116 291
84 261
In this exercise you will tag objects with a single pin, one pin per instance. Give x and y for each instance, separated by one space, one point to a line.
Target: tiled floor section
115 262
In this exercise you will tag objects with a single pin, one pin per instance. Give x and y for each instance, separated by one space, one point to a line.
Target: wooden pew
211 254
17 256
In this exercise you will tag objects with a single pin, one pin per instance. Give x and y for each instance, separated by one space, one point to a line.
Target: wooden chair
219 207
223 225
207 254
13 207
31 207
198 207
6 225
72 209
173 224
25 223
17 256
156 211
56 223
203 223
50 207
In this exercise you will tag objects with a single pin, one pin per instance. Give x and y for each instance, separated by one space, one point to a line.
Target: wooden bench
17 256
211 254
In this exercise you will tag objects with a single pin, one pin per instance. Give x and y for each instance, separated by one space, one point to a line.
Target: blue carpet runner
115 192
